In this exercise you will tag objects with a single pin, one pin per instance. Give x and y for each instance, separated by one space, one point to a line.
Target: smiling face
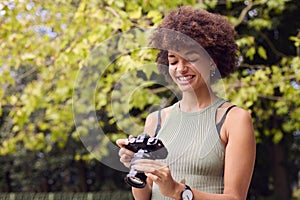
189 69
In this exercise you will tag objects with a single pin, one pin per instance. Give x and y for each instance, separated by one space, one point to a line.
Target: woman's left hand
160 173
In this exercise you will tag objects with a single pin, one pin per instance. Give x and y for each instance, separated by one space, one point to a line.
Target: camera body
145 147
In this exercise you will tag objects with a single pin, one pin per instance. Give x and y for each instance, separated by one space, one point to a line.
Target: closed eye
172 59
192 60
173 63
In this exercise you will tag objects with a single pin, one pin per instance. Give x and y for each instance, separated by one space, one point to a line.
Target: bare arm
240 153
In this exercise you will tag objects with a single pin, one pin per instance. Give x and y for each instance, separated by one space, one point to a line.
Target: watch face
187 195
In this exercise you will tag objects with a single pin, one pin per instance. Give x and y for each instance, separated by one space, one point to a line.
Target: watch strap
186 188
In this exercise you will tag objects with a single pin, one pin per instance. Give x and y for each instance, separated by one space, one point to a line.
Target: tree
269 86
47 47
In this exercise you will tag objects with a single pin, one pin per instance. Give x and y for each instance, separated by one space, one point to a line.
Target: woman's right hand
125 154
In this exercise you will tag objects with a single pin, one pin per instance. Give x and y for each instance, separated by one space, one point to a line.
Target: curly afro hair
212 31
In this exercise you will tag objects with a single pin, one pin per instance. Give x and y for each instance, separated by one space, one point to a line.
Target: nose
182 66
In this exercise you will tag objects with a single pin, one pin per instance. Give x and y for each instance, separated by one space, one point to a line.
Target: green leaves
250 53
262 52
155 16
296 40
259 24
43 53
44 45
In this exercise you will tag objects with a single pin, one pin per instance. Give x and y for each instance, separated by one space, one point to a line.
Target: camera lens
137 180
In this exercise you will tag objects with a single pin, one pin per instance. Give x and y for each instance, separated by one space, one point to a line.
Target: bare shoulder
238 114
152 120
151 123
239 123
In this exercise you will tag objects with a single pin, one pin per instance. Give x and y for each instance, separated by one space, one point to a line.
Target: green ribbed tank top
196 152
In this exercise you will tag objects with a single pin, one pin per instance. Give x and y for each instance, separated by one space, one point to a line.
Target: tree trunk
281 185
81 166
8 182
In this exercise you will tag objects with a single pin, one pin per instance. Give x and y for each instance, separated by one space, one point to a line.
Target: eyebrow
171 56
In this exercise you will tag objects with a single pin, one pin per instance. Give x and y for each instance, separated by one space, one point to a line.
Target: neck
196 101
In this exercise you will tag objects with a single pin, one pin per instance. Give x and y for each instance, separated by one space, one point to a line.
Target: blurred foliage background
45 43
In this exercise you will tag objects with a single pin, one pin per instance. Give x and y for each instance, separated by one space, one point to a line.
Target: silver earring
212 73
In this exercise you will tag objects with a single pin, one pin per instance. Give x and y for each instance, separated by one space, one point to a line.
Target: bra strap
158 123
220 123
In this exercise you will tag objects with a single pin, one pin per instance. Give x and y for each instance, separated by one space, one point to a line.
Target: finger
125 158
126 151
156 164
144 168
182 181
122 142
153 177
126 164
151 167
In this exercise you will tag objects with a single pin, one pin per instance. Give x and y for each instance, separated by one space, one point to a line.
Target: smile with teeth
185 78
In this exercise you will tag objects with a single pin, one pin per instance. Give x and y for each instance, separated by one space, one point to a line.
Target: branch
243 14
246 65
159 90
275 98
113 12
24 75
240 84
273 48
170 100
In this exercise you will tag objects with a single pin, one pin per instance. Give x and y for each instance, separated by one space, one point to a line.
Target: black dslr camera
147 147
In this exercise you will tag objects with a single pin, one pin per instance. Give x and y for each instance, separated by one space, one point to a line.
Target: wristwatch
187 193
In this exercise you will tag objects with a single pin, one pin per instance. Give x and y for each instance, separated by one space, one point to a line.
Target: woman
211 142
